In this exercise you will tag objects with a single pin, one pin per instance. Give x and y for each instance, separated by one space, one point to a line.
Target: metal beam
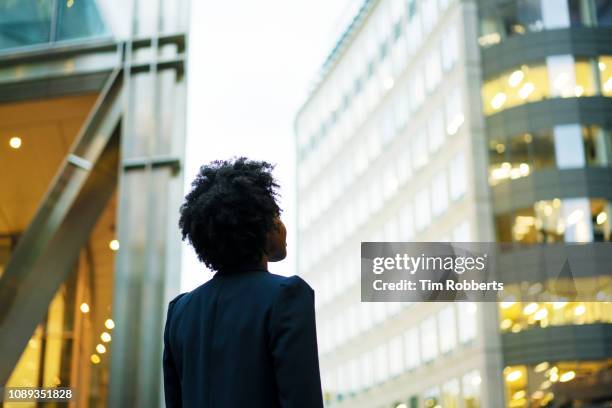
64 220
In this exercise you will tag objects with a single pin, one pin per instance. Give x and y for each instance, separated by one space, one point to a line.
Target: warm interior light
579 310
515 78
540 314
514 375
105 337
526 90
95 359
507 304
101 349
541 367
109 324
568 376
574 217
601 218
530 308
84 307
114 245
15 142
498 100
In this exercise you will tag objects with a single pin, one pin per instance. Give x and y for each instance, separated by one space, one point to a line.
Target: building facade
405 137
92 119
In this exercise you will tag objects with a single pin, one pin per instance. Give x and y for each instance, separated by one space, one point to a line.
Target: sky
251 64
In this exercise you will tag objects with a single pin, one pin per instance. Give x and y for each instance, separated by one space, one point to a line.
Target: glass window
450 394
448 329
403 163
25 22
458 177
422 209
439 194
461 233
466 311
419 150
381 368
471 389
433 70
569 146
560 76
396 356
414 31
603 12
406 222
597 145
429 339
450 47
605 73
412 349
81 19
435 131
416 90
430 14
367 379
431 397
454 111
555 14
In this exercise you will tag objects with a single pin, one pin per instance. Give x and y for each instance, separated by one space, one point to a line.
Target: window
422 209
396 356
450 47
381 368
454 112
435 131
414 32
430 14
403 164
461 233
458 177
439 194
471 389
419 150
433 70
448 329
429 339
450 394
406 223
569 148
416 90
550 221
367 379
560 76
412 349
466 311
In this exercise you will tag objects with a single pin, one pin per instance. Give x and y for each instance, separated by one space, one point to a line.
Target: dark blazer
246 339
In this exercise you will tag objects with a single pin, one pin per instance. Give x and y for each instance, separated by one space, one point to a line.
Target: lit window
471 389
412 349
419 150
466 311
458 177
429 339
439 194
406 228
422 209
433 70
447 325
381 368
396 356
435 131
450 47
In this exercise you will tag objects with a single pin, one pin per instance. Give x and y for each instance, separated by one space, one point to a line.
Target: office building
447 120
92 114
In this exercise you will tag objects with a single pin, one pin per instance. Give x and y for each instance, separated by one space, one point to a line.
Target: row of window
518 316
343 109
559 76
563 147
28 22
351 166
502 20
459 392
343 270
557 220
434 336
559 384
428 203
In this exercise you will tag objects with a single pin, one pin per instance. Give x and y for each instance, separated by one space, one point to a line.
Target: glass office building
92 118
446 120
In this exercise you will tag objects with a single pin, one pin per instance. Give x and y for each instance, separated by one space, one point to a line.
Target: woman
247 337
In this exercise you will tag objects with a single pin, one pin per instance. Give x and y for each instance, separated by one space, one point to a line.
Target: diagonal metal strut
64 220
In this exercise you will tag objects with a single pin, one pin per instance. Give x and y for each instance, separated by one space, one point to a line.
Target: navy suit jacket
246 339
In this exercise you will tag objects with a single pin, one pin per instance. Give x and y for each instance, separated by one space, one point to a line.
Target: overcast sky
250 67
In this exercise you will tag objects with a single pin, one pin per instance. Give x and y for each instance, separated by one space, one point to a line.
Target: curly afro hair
229 211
